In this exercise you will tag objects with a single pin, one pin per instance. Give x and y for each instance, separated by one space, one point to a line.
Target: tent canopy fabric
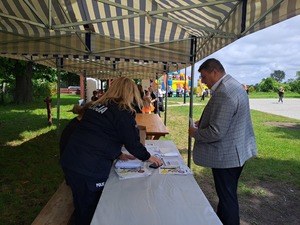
136 38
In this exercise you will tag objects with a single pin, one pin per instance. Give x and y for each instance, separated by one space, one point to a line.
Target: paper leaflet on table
127 169
182 170
128 164
168 152
135 163
171 162
174 165
133 173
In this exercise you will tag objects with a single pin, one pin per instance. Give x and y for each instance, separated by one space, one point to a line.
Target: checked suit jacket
225 136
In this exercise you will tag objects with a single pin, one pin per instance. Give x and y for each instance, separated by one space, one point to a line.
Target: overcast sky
256 56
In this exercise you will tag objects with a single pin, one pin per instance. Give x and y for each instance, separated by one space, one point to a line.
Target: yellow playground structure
179 81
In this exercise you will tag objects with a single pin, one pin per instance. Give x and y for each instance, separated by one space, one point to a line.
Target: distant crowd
152 99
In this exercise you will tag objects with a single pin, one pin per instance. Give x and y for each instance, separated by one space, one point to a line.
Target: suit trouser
226 183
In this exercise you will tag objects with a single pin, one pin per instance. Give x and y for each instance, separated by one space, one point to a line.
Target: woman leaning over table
106 125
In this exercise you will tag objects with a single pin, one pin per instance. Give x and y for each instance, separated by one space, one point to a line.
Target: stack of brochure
173 163
129 164
181 170
131 169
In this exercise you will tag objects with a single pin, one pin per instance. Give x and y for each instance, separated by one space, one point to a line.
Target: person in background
203 95
224 137
95 96
280 94
147 105
178 92
170 91
154 100
140 87
48 101
161 93
100 93
246 88
105 127
136 106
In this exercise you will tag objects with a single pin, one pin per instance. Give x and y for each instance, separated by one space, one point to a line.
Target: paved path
289 108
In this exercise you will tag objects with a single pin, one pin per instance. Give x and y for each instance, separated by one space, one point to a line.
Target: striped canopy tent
98 68
136 38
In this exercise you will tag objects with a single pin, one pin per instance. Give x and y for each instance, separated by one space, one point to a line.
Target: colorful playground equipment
178 84
177 81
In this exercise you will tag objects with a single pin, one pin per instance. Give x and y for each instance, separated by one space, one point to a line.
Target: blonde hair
124 92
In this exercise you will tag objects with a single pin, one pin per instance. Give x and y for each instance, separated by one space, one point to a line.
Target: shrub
295 86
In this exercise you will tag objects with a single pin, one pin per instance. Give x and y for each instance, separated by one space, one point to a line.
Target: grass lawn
273 95
29 154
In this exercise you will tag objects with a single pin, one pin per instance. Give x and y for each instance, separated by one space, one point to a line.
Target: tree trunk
2 92
23 83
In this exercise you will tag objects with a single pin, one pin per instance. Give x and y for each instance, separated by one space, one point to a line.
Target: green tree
69 79
268 84
252 89
298 75
295 85
22 77
17 74
25 80
23 74
6 77
278 75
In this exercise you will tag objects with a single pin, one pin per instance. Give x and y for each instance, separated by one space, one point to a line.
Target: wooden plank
153 123
59 209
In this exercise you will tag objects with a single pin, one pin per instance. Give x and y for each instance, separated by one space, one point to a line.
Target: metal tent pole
85 87
184 88
59 63
166 70
192 60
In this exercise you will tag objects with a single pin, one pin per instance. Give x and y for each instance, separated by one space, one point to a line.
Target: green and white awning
138 38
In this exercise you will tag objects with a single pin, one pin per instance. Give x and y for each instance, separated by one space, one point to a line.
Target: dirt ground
278 203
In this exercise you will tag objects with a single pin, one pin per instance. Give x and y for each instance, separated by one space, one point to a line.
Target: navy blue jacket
98 139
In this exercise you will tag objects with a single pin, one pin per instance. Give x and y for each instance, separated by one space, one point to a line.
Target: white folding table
158 199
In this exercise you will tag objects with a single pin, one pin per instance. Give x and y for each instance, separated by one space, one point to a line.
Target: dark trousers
86 194
226 183
161 104
156 108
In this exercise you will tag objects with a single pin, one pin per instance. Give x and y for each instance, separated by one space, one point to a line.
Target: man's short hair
210 64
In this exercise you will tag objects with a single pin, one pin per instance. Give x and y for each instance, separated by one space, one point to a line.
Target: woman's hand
156 160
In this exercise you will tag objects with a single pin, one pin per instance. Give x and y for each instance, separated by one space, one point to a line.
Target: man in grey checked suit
224 137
